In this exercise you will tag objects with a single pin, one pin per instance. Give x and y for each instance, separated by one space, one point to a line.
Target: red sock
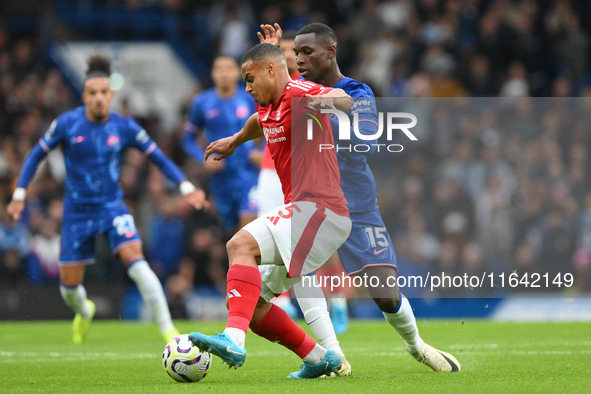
277 326
244 290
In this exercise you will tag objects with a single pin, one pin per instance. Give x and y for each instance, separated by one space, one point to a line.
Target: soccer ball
183 361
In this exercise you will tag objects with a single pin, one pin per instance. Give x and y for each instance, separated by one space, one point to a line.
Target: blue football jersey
222 117
357 180
93 154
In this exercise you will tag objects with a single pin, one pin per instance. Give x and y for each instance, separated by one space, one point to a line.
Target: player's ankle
317 353
414 347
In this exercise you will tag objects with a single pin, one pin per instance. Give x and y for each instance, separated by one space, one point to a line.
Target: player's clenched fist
198 199
14 209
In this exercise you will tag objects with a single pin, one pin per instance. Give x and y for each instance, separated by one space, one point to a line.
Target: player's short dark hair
98 66
262 52
320 30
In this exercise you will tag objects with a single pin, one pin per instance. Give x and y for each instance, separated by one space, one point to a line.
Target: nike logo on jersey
212 113
234 293
376 252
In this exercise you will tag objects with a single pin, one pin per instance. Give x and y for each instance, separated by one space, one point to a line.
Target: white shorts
269 192
294 240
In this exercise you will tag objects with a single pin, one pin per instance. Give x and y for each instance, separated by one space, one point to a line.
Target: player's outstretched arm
17 204
272 34
195 196
226 146
335 98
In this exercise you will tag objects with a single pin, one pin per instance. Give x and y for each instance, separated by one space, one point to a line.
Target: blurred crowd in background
476 193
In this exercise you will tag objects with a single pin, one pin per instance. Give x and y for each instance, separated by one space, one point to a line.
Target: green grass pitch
126 357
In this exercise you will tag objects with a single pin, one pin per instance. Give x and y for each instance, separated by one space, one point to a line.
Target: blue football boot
220 345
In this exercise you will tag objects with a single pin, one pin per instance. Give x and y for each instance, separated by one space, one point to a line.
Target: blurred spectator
516 84
298 15
231 23
376 59
472 260
557 245
478 79
569 39
394 14
205 262
43 264
494 223
453 212
166 235
14 247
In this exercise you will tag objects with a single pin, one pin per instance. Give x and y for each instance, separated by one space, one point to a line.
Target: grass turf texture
126 357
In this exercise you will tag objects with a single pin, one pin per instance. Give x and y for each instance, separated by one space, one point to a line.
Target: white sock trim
316 355
237 335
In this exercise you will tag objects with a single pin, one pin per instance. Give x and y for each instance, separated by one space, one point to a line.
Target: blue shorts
232 202
369 243
81 225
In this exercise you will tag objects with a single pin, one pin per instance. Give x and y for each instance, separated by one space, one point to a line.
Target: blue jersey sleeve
365 110
52 137
139 138
193 128
196 115
166 165
192 147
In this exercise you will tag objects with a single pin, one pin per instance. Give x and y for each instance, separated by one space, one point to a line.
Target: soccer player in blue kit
369 249
94 140
219 112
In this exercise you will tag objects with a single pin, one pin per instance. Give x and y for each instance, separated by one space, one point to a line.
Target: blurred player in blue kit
94 140
369 249
219 112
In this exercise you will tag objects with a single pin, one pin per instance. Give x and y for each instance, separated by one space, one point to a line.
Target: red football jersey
267 161
306 173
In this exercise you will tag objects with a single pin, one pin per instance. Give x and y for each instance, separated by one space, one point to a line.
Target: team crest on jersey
77 139
242 111
114 142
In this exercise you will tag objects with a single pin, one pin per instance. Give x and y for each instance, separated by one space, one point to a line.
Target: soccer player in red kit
298 236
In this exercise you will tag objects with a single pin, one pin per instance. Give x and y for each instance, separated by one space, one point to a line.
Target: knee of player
390 303
241 244
234 246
